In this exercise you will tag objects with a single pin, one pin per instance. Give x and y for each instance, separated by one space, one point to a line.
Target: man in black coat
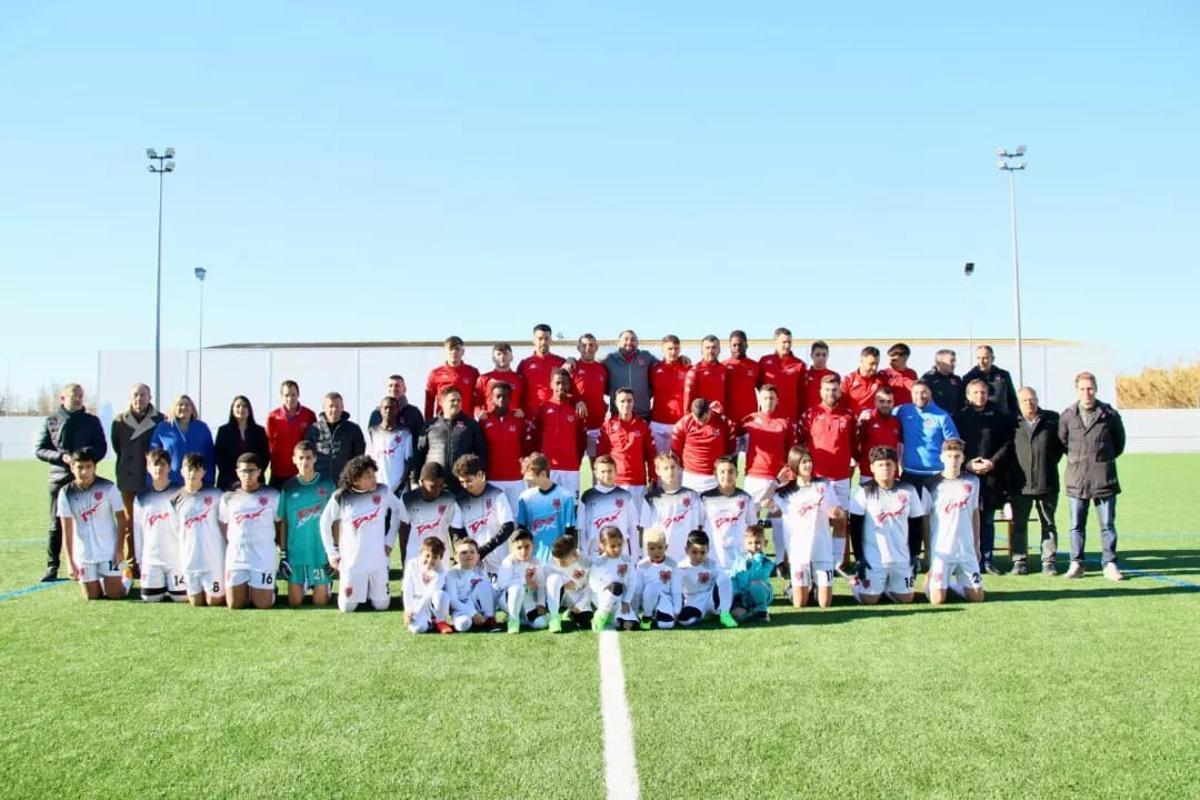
130 437
944 385
336 438
1001 391
449 436
68 429
987 438
1093 435
1037 451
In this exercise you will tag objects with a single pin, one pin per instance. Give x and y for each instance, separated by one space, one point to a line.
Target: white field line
620 765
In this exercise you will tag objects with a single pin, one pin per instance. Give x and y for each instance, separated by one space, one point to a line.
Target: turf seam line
620 764
37 587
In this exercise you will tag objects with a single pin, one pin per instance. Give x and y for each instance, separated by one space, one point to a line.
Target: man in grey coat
1093 436
629 368
1035 481
130 437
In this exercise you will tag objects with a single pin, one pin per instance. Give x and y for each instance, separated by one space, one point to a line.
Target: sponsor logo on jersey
607 519
87 514
305 514
243 517
543 522
725 521
883 515
474 525
425 528
154 519
673 519
196 519
363 519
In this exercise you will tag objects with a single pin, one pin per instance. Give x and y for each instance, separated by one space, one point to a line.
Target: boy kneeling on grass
248 515
469 589
522 584
750 578
886 526
93 520
426 604
661 596
706 587
156 535
358 528
613 582
953 503
567 584
197 517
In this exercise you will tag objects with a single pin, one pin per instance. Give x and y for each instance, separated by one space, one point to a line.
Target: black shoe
50 575
991 569
1019 568
1049 569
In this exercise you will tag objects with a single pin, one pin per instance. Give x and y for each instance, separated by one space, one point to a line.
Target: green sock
600 621
555 622
727 620
514 624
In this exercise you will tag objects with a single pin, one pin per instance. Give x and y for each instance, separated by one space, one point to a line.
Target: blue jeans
1106 515
987 535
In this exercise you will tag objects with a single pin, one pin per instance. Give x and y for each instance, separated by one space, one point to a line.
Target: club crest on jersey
556 504
620 503
97 495
442 509
396 439
349 591
687 502
622 569
262 501
426 577
377 500
322 491
208 501
578 573
741 505
703 577
664 575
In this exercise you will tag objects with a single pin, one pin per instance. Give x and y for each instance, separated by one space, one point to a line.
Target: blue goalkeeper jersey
546 515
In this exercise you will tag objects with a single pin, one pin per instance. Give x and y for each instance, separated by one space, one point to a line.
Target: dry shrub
1159 387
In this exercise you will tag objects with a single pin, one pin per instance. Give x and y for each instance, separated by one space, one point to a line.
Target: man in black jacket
68 429
944 385
1001 391
987 438
130 437
1037 451
449 437
336 438
1093 435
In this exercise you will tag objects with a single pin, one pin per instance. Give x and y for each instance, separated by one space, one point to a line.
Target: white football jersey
805 518
197 518
460 586
249 519
952 504
697 580
391 451
601 507
678 513
886 514
155 532
367 523
93 510
483 516
574 575
527 573
420 583
664 574
726 518
427 518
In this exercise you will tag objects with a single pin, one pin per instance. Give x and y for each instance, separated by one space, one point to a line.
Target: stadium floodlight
968 271
162 168
1006 164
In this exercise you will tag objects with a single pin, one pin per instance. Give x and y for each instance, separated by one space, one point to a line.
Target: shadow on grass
1108 590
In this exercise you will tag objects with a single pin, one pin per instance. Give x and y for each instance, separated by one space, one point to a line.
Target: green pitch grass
1049 689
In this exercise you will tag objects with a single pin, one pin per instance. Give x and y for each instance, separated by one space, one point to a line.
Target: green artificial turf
1049 689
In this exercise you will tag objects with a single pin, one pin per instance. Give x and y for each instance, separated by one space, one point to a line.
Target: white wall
17 435
1166 430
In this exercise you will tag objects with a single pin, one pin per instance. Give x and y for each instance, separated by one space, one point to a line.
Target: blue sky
404 172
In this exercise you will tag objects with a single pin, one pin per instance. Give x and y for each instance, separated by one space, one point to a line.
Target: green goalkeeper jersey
300 506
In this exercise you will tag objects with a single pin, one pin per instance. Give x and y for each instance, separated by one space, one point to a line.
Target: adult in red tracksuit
507 438
859 387
538 368
699 439
741 379
454 372
786 373
558 432
626 437
707 376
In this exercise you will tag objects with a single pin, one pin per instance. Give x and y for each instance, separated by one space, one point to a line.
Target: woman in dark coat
241 434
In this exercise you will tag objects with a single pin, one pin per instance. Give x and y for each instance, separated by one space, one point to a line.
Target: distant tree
1159 387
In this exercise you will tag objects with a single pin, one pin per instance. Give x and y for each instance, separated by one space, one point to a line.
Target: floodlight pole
968 271
165 164
1006 164
200 273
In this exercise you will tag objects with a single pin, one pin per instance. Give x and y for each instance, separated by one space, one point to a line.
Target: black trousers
54 534
1045 505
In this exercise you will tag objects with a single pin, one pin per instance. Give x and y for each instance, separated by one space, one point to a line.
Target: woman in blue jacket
182 433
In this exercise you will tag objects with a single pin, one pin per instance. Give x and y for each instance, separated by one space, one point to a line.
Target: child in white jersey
806 506
469 589
613 582
248 515
886 525
953 503
706 587
156 534
522 583
567 584
661 597
94 522
202 540
426 604
359 526
607 504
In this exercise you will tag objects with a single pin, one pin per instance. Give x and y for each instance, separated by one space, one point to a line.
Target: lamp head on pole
170 152
200 272
151 153
969 268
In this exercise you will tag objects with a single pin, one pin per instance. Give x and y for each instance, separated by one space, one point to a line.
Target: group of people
487 477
